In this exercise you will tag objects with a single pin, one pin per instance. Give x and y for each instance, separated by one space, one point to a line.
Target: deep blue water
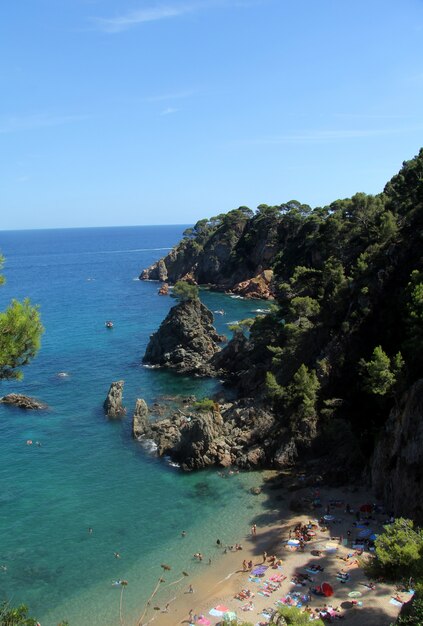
88 471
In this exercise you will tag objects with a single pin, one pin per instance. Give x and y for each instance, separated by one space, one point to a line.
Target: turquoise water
88 472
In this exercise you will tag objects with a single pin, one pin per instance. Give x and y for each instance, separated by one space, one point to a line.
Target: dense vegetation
20 333
347 331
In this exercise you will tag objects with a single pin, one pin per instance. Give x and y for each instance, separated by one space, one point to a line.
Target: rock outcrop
164 290
260 287
235 434
113 406
186 340
140 418
397 468
23 402
233 255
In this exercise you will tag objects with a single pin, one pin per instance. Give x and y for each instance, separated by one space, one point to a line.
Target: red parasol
327 589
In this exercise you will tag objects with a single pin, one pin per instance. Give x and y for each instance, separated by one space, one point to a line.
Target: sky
130 112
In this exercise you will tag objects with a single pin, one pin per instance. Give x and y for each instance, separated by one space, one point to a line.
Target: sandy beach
218 583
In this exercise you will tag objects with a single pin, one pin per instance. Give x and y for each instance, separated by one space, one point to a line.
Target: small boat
109 324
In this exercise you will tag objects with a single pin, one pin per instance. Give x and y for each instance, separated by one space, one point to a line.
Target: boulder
113 406
23 402
164 290
140 418
260 286
186 339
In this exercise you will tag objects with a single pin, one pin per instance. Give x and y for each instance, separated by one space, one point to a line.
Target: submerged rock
186 339
113 406
23 402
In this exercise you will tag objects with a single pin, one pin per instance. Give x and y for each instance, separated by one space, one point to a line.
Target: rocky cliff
233 252
397 467
186 340
235 434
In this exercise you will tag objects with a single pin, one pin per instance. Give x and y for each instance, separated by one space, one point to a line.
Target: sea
84 471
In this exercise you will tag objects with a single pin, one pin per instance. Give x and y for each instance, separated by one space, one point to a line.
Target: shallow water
88 472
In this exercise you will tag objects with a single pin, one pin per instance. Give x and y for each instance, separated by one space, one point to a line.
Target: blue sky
120 112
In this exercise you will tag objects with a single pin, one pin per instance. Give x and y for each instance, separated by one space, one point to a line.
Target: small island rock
186 339
23 402
140 418
113 406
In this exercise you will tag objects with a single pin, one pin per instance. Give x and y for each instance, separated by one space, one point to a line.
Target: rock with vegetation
207 434
232 251
113 406
186 339
23 402
343 340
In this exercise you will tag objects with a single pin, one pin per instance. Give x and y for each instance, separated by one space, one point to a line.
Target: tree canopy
20 335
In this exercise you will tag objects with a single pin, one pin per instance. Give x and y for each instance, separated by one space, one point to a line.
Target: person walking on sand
264 556
190 589
244 565
254 530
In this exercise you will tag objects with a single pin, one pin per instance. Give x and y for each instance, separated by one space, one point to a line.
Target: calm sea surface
88 471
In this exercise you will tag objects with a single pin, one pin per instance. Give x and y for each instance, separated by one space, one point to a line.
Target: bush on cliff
185 291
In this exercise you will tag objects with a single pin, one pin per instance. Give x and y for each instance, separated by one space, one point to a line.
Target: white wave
260 310
149 445
236 297
170 462
150 367
63 375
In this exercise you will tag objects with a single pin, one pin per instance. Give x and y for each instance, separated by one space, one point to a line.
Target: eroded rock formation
235 434
23 402
186 339
113 406
140 418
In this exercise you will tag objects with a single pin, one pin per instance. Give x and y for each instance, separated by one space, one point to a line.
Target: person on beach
244 565
254 530
264 556
190 589
190 614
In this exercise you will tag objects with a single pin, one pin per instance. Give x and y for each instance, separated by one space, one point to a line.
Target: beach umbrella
329 518
366 508
327 589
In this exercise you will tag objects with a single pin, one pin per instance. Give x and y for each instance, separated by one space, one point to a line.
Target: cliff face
397 467
236 255
186 339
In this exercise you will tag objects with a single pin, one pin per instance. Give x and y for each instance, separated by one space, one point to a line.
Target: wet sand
217 583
